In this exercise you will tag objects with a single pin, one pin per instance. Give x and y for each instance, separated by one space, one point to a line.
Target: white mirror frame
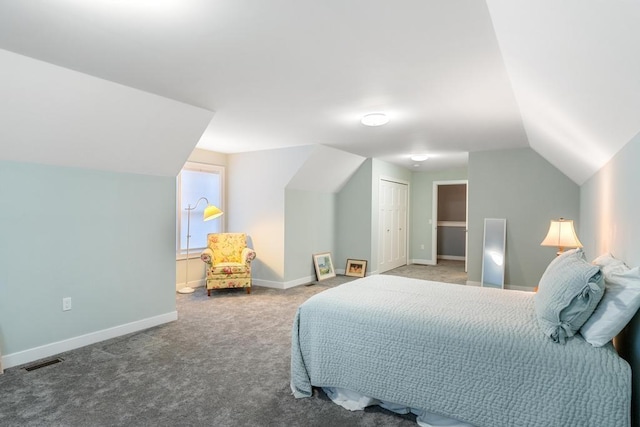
493 252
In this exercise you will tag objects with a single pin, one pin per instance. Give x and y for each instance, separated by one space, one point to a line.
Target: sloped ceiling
575 71
454 76
56 116
326 170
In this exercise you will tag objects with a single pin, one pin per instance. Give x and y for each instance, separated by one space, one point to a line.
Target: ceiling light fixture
419 157
375 119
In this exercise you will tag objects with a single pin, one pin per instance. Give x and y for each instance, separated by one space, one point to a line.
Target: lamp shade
562 234
211 212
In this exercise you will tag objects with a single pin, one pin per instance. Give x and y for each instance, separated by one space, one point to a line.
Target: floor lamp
210 212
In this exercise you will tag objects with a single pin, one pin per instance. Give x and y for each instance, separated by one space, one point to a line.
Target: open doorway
449 237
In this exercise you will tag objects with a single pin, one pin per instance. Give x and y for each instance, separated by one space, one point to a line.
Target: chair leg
249 289
208 292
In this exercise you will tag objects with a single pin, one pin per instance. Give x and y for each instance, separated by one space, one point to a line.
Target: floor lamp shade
210 212
562 234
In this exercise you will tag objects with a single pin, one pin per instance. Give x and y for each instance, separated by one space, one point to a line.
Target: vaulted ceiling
454 76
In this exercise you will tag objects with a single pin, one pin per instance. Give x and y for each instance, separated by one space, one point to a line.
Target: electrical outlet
421 246
66 304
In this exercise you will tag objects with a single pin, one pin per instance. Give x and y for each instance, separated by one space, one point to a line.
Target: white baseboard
267 284
201 283
451 257
422 261
32 354
472 283
298 282
282 285
519 288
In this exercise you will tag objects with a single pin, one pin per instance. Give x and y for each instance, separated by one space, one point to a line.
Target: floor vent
43 364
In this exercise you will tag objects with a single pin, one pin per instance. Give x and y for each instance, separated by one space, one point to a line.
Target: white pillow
606 259
608 264
619 303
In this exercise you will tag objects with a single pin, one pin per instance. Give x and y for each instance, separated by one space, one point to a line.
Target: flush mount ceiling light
419 157
375 119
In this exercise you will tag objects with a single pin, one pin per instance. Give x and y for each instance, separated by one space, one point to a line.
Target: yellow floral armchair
228 261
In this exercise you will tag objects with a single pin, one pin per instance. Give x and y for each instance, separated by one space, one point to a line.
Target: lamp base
186 290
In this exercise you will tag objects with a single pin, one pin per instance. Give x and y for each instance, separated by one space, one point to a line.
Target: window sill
193 254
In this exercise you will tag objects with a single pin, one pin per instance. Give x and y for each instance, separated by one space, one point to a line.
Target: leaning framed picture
356 268
323 265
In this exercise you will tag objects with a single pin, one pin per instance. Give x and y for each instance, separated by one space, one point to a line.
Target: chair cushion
228 268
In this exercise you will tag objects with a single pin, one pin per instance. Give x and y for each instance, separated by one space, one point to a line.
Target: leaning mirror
493 252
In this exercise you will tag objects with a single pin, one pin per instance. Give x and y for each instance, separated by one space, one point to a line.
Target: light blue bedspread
469 353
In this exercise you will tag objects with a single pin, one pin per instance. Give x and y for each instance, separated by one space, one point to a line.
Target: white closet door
392 233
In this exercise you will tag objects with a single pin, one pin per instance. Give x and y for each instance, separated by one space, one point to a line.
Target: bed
471 354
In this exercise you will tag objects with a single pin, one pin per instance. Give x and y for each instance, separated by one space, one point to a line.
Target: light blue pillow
568 293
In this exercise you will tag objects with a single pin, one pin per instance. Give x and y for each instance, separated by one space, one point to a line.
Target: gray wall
309 228
256 183
451 241
357 212
609 212
421 208
353 218
610 207
528 191
271 196
105 239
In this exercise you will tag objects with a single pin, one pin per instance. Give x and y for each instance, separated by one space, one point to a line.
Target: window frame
181 254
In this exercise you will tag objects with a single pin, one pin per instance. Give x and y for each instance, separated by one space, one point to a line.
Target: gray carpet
225 362
448 271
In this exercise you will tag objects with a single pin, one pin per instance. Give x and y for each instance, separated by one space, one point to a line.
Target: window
198 180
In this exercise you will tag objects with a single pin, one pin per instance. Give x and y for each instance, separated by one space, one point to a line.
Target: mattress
472 354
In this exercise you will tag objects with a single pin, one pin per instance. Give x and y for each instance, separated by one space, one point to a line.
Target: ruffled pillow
568 293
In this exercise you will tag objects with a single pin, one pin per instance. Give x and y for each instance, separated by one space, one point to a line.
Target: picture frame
356 267
324 265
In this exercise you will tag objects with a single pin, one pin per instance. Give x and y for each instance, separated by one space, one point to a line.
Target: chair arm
207 256
248 255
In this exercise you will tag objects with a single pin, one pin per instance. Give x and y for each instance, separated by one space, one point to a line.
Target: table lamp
562 235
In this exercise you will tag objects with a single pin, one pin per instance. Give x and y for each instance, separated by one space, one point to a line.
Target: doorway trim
434 220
